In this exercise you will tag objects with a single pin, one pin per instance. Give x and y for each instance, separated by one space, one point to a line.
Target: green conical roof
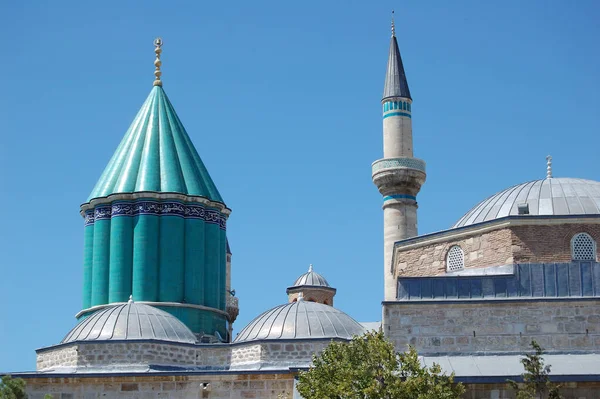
157 155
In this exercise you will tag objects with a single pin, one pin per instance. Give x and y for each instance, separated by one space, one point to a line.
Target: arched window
403 106
455 259
583 247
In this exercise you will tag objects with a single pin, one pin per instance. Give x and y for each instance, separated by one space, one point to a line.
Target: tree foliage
368 367
536 381
12 388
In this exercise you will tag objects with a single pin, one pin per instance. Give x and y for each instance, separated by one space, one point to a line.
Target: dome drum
121 258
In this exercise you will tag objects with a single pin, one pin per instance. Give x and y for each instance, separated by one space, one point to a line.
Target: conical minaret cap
396 84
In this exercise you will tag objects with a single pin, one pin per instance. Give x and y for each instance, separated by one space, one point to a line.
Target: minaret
398 175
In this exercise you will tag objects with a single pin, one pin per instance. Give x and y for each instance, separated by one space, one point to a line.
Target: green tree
368 367
536 381
12 388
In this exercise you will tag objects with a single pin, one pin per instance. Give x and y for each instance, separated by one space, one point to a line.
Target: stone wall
569 390
459 327
95 355
63 356
230 386
245 354
548 243
515 243
239 386
299 353
492 248
92 354
214 357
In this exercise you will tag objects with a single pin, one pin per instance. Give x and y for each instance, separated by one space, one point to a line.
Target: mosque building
158 307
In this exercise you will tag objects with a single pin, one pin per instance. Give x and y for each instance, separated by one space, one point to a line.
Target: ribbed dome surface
552 196
130 321
301 320
157 155
311 278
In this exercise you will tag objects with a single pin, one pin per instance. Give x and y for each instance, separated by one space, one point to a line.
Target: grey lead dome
311 278
130 321
301 320
551 196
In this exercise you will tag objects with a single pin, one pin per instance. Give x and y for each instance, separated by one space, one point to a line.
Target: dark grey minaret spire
395 78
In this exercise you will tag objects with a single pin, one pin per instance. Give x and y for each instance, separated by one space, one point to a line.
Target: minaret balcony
232 308
393 175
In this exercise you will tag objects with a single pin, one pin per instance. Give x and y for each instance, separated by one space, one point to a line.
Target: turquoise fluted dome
156 155
155 226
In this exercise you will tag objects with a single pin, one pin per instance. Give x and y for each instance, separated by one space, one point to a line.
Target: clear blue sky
282 102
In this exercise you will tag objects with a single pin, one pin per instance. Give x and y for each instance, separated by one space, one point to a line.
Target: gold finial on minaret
157 63
393 25
548 167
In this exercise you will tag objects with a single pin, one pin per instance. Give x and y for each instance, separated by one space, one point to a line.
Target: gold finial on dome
157 63
393 25
548 167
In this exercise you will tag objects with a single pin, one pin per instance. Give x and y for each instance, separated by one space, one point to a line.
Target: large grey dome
311 278
551 196
130 321
301 320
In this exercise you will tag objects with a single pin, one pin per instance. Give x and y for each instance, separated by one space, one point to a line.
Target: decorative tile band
399 105
396 114
388 163
137 208
399 196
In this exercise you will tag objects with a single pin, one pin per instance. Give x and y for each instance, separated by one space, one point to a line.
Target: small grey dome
551 196
301 320
130 321
311 278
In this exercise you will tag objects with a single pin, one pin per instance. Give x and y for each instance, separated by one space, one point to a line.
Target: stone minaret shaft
398 175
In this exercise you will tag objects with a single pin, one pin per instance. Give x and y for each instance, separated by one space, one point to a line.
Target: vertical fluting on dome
398 175
155 223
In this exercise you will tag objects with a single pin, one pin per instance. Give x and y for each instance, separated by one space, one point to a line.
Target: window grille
455 259
583 247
